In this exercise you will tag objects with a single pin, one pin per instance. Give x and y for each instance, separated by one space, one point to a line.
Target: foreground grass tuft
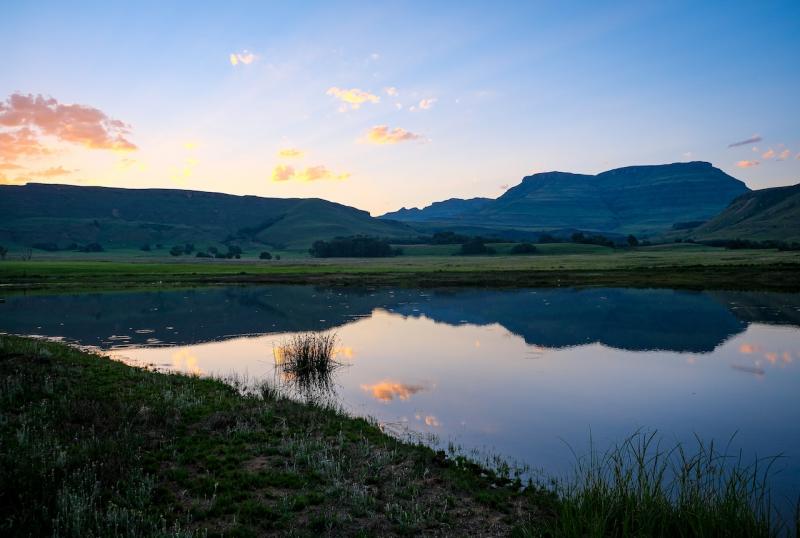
92 447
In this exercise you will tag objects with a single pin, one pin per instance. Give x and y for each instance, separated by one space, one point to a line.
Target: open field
93 447
678 266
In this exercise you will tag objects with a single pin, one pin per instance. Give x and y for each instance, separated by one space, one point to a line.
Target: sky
387 105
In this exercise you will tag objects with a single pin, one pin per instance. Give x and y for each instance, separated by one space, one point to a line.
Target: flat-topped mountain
439 210
128 218
766 214
634 199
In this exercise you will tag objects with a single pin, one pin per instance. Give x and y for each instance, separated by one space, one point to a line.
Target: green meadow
674 265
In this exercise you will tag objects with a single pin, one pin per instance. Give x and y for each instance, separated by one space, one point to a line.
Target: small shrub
524 248
265 256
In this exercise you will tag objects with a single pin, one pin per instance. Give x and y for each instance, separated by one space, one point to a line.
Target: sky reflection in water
519 372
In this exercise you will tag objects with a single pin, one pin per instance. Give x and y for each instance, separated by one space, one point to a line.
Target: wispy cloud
290 153
783 155
353 97
51 172
391 91
752 140
285 172
245 57
747 164
381 134
427 104
26 119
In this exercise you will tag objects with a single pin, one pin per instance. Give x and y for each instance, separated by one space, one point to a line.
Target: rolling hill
128 218
635 199
766 214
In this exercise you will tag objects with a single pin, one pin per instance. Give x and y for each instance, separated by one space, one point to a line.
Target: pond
526 374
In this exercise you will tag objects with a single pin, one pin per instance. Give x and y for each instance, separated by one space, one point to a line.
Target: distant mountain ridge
128 218
766 214
634 199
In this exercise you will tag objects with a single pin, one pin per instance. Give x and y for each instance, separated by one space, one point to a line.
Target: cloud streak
353 97
752 140
290 153
285 172
747 164
381 134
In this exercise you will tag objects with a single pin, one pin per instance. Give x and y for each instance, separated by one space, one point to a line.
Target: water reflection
518 372
628 319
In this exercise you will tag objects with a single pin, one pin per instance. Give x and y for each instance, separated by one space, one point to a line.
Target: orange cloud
381 134
353 97
284 172
388 390
290 153
243 57
27 118
748 349
51 172
19 143
747 164
770 153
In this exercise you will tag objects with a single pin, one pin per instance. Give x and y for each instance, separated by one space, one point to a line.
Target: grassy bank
676 267
92 447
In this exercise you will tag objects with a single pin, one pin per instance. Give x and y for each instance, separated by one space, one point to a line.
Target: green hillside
129 218
766 214
637 199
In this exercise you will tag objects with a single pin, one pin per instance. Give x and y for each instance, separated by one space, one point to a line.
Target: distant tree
49 247
201 254
632 241
177 250
352 247
27 254
92 247
277 256
547 238
145 248
578 237
234 251
159 245
3 252
188 248
265 256
213 250
475 246
524 248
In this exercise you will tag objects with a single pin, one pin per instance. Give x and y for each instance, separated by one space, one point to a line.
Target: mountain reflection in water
629 319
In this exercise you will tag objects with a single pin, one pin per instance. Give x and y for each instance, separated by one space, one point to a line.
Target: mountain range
642 200
129 218
689 200
758 215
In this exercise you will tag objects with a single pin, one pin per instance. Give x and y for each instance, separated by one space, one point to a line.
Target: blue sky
396 104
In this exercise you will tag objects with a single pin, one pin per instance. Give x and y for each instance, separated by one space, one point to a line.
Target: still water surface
520 373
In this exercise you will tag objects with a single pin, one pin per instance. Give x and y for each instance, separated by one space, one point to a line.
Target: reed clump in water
308 361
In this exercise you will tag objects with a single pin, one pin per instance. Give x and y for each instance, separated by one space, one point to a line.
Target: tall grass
642 488
307 361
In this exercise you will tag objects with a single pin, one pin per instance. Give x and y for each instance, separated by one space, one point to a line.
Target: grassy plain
677 266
